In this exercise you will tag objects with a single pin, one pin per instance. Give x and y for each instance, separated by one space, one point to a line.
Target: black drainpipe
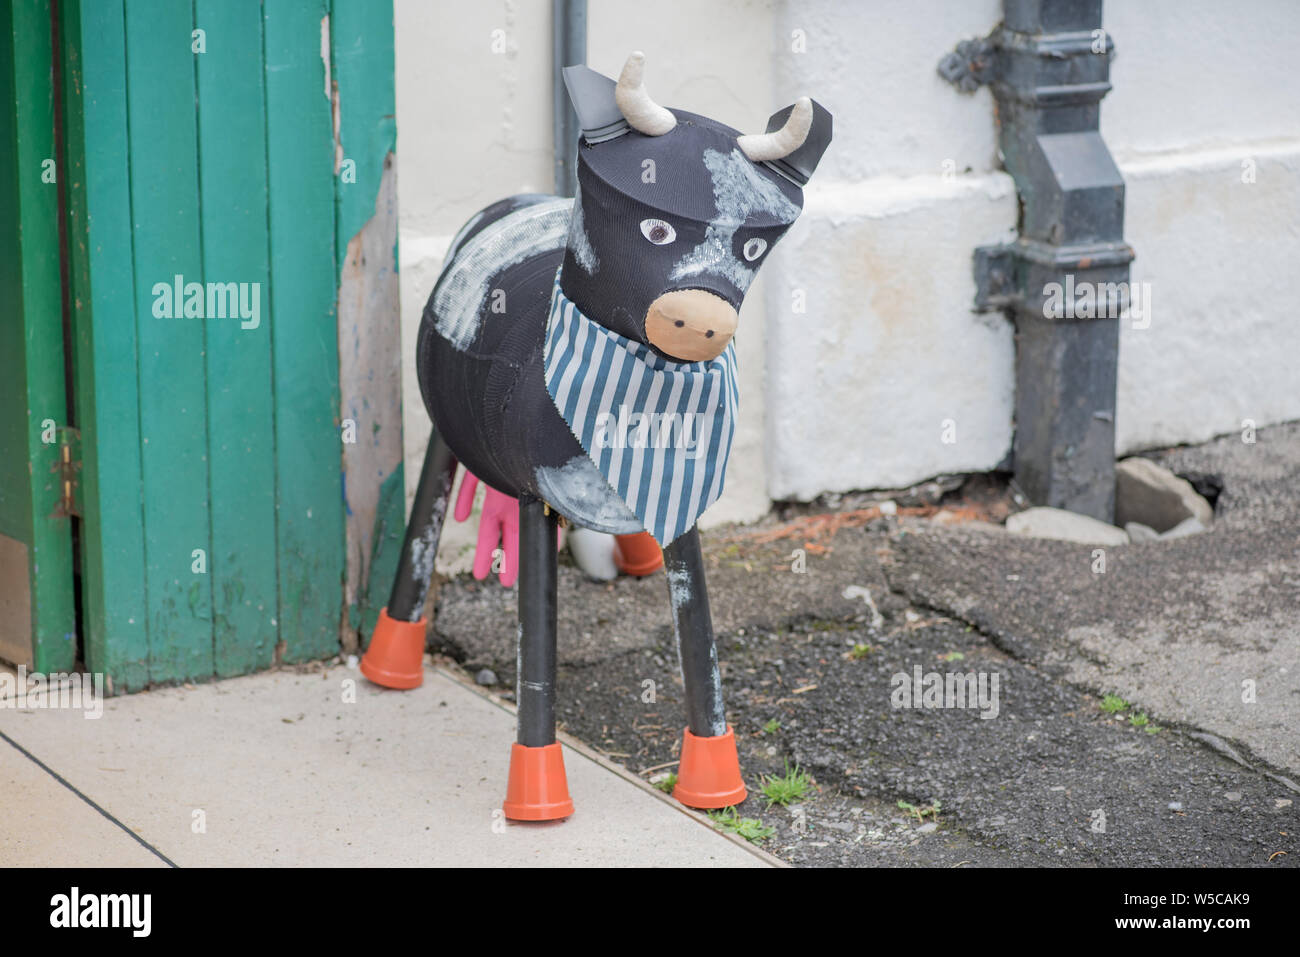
1048 64
568 48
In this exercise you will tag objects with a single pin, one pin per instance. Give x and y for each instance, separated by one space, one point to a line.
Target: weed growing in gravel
751 829
921 812
1113 704
860 651
772 727
789 787
667 783
1140 720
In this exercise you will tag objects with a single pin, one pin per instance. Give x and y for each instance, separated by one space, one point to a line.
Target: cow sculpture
577 354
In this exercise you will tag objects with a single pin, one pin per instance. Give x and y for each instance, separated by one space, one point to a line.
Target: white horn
642 113
780 143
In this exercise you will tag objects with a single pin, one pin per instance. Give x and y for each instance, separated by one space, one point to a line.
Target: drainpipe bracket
1042 71
996 282
1018 275
970 65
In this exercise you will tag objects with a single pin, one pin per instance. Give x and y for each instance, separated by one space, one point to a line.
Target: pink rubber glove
499 524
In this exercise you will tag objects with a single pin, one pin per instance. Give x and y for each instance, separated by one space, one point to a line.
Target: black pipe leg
708 775
535 683
537 789
395 657
423 529
693 625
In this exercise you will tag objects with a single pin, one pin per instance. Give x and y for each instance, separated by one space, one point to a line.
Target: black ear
592 94
800 164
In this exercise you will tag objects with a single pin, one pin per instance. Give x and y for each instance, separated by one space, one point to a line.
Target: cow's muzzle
690 325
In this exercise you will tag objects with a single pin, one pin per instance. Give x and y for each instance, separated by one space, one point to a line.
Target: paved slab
281 769
44 824
1201 631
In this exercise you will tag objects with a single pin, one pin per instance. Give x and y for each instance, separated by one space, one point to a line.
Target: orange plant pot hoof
395 658
638 554
537 789
708 775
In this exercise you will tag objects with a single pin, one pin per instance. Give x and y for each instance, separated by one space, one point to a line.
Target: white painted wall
1200 88
853 392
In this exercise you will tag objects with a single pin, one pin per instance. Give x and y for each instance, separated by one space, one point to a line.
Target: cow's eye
657 231
755 248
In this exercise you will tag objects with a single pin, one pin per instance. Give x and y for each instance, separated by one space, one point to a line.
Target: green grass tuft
930 810
1114 704
751 829
668 783
791 786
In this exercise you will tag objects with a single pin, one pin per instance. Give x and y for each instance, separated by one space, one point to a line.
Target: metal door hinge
67 466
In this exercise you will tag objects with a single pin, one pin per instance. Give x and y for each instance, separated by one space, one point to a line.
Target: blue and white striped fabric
659 431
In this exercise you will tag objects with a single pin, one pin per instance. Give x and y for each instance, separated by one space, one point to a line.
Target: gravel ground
1051 781
810 661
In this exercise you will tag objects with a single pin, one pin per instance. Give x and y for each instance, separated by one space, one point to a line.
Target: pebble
1137 532
1152 494
1233 795
927 828
486 676
1059 524
1175 805
1188 526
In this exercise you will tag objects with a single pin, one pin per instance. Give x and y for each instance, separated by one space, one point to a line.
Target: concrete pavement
315 767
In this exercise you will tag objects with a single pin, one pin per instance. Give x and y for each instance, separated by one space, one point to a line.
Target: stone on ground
1064 526
1153 495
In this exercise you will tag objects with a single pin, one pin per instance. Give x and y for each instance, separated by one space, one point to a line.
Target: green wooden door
214 194
37 622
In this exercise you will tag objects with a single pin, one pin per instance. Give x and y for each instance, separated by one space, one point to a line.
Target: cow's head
675 212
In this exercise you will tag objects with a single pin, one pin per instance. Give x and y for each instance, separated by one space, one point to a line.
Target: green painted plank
305 345
361 39
241 427
102 275
385 553
32 397
173 406
53 608
15 487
